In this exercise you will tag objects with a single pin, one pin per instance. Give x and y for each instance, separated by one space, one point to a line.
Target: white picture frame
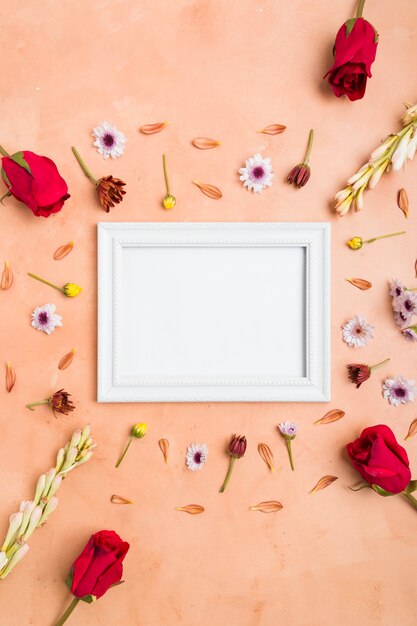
213 312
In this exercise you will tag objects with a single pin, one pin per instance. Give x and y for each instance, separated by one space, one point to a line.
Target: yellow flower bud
139 430
169 201
356 243
71 290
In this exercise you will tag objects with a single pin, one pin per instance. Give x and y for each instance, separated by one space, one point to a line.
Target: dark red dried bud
299 175
60 402
359 373
110 192
237 446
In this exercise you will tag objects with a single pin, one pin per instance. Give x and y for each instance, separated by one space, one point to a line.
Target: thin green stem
68 612
84 167
412 500
402 232
359 10
377 365
229 473
32 404
164 163
3 151
122 456
309 147
289 448
46 282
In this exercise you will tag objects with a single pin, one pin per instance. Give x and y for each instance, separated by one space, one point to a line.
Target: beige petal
67 360
273 129
205 143
266 454
412 430
271 506
151 129
10 377
360 283
209 190
7 277
164 445
323 483
63 251
115 499
403 201
192 509
331 416
415 268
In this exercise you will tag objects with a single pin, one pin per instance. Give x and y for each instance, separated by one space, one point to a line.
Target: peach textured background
224 69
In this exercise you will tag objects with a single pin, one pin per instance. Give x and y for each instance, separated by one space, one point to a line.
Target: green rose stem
68 612
46 282
289 448
84 168
412 500
359 10
122 456
309 147
229 473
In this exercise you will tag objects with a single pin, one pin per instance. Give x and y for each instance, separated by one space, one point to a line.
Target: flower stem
3 151
46 282
359 10
402 232
68 612
289 448
229 473
374 367
412 500
164 163
32 404
85 169
122 456
309 147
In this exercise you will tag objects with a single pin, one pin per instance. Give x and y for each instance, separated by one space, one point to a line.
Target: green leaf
5 178
412 486
376 38
6 195
360 486
18 158
68 580
349 25
89 599
382 492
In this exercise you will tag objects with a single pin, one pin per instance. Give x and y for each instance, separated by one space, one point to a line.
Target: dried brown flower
299 175
59 402
110 192
360 372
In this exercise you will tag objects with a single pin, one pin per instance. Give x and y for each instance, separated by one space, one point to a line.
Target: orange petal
192 509
119 500
209 190
67 360
164 445
403 201
7 277
267 456
10 377
205 143
412 430
273 129
323 483
271 506
151 129
360 283
331 416
62 251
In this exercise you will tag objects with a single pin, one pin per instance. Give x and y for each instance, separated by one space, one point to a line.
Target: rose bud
301 173
138 432
354 52
35 181
109 189
59 403
236 449
96 569
360 372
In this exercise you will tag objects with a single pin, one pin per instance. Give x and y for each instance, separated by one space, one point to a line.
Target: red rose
354 53
99 565
35 181
380 460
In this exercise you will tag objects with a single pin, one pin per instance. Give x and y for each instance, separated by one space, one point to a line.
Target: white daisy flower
357 332
396 288
399 390
109 141
45 319
406 305
288 429
196 456
257 174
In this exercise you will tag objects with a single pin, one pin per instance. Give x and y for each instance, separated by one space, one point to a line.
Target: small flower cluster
404 306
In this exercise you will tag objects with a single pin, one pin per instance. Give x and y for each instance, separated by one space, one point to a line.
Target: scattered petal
67 360
209 190
271 506
192 509
119 500
205 143
323 483
273 129
266 454
151 129
63 251
164 445
360 283
331 416
415 268
412 430
7 277
10 377
403 201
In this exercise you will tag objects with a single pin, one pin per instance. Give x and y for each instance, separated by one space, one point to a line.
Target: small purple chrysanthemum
196 456
45 319
257 174
399 390
410 333
109 141
405 305
288 429
396 288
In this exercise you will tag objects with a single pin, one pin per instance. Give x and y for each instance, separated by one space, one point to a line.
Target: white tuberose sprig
393 152
34 513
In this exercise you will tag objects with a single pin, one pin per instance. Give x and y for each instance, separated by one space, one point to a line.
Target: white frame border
315 237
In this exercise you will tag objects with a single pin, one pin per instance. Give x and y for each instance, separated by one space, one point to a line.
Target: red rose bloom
380 460
99 566
36 182
354 54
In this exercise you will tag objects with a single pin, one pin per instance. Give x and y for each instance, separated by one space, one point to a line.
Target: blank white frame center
213 312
